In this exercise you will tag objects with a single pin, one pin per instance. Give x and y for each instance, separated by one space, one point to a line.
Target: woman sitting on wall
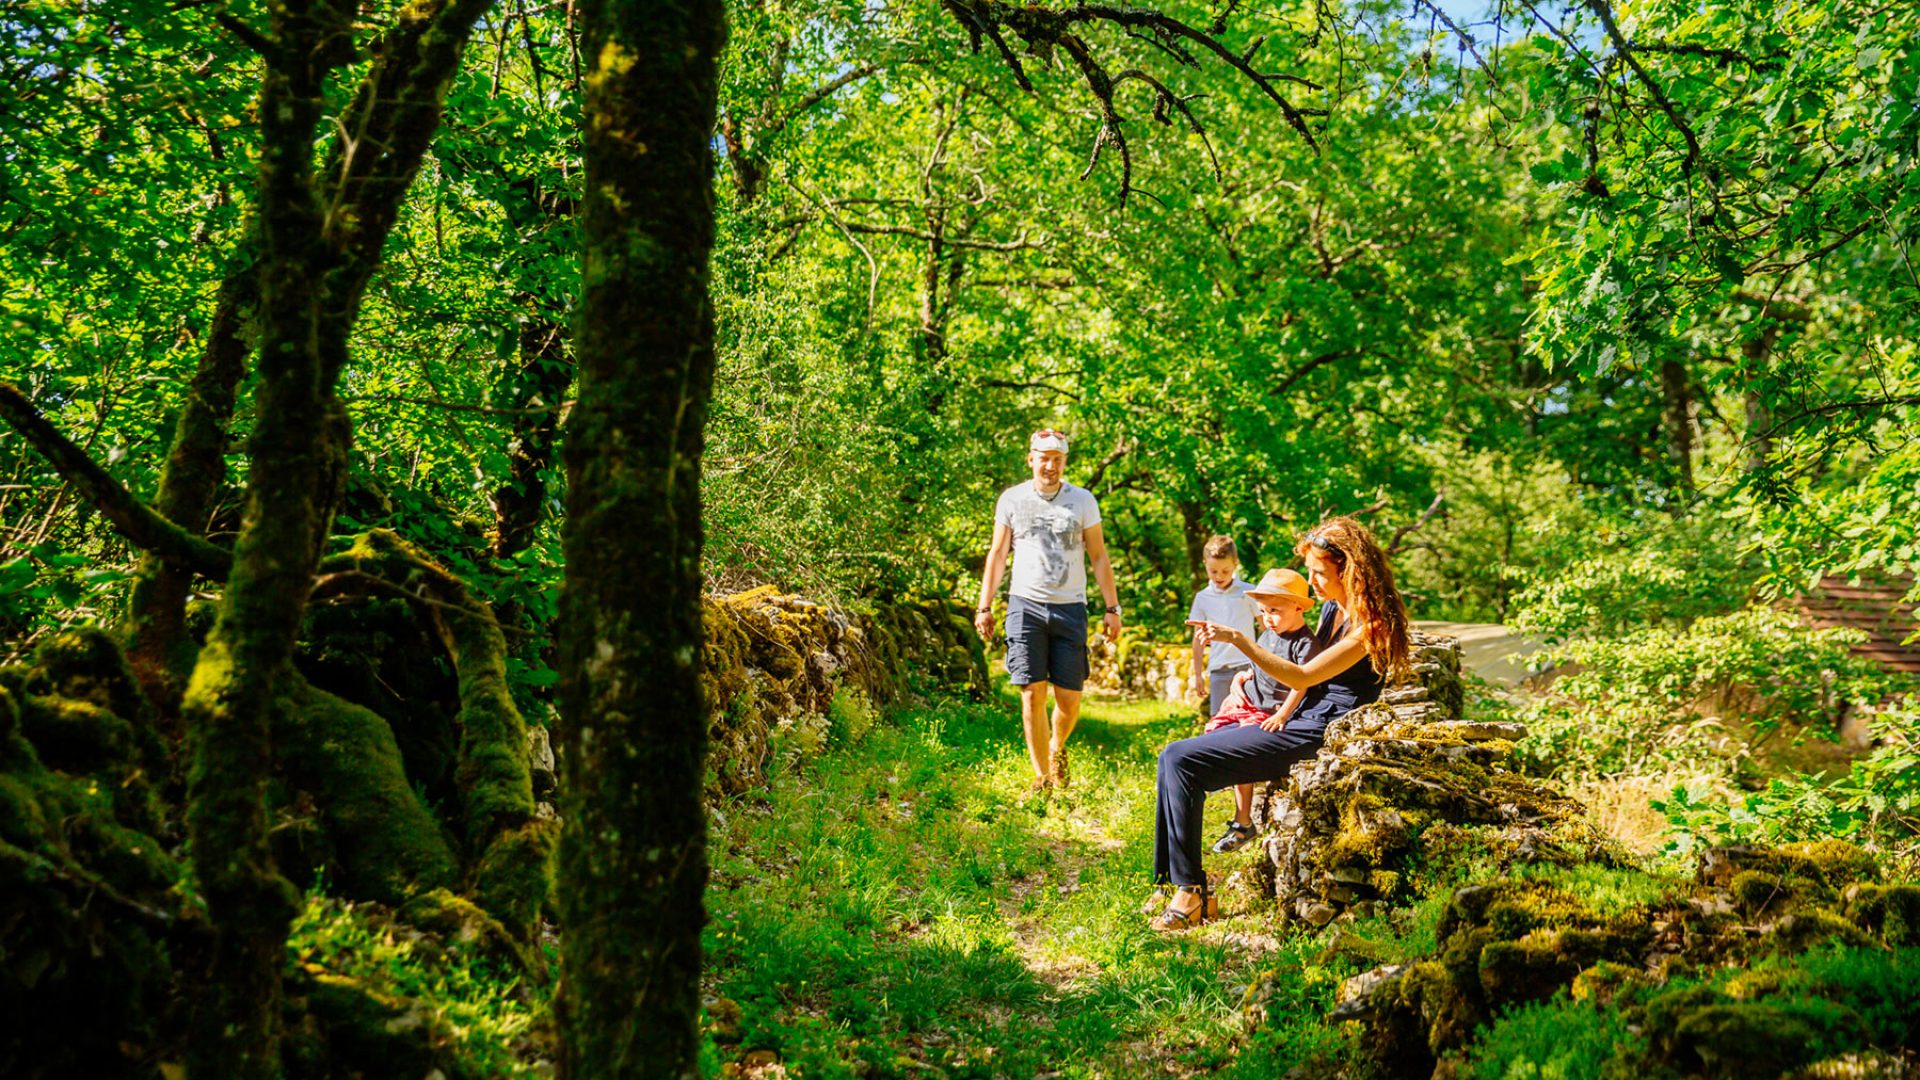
1360 641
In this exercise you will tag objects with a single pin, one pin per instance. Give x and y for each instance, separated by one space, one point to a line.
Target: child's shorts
1236 716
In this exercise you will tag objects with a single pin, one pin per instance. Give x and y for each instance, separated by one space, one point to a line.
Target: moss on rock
385 840
86 973
341 1027
1890 912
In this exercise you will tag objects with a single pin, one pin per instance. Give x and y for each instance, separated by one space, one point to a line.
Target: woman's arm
1337 658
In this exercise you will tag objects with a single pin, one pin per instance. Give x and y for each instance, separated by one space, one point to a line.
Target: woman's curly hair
1372 601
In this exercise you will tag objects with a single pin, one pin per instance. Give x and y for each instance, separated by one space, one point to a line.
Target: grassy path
899 907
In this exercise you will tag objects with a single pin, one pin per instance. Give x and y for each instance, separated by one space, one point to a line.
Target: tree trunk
533 385
1677 417
1194 529
189 483
633 720
227 700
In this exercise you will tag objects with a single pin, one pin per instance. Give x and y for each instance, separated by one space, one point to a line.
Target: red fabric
1242 714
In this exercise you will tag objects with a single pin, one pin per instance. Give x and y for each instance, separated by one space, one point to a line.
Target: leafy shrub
1875 803
849 715
488 1009
1656 696
1601 578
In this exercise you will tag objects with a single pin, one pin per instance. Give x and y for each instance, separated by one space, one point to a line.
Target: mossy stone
1751 1039
386 840
1891 912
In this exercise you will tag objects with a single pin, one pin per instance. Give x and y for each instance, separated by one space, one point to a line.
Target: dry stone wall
777 666
1341 827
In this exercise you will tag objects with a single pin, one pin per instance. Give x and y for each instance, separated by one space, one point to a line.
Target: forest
494 498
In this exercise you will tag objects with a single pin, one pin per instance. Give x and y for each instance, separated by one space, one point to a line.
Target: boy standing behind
1224 600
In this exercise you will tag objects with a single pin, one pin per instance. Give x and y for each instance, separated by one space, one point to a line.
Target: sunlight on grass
904 903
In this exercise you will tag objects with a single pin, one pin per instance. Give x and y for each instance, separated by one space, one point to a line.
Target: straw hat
1282 584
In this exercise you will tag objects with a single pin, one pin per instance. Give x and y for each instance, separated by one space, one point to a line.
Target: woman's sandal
1171 919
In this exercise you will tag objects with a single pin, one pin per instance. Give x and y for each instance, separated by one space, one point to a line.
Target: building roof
1874 604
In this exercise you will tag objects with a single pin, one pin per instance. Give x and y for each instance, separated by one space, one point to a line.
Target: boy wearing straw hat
1282 600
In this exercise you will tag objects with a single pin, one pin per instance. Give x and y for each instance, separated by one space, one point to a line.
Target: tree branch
1120 449
1044 29
1303 370
1832 407
1604 10
130 517
1399 534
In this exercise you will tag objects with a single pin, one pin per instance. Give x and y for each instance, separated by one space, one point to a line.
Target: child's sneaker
1236 835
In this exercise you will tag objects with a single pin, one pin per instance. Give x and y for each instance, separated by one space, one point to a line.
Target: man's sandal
1058 774
1170 919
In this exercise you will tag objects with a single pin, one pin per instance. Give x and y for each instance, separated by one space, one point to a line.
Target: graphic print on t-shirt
1055 533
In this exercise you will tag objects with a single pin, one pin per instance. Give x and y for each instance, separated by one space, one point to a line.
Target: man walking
1051 528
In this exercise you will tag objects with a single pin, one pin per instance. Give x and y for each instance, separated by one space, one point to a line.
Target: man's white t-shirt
1228 607
1049 557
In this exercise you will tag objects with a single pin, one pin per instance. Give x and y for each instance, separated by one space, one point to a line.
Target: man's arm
990 579
1096 542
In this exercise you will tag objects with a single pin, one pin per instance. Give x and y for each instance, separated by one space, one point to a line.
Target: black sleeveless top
1358 685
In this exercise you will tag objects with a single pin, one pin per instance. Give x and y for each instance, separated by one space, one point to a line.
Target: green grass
901 907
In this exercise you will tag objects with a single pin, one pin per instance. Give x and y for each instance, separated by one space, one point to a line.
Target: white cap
1048 439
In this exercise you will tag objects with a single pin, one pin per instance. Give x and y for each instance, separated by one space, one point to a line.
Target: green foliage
1874 802
1603 574
1558 1039
491 1012
1780 1012
1659 695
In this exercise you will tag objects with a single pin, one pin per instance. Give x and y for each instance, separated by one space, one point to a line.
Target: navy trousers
1192 767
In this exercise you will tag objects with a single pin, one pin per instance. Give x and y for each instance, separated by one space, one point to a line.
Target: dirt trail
1490 650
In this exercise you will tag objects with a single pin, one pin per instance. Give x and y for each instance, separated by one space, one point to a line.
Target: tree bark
189 483
633 732
316 256
533 385
1677 417
228 697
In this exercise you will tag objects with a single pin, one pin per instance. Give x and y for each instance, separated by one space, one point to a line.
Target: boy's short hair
1220 547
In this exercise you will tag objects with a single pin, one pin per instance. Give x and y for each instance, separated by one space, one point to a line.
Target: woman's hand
1273 723
1206 633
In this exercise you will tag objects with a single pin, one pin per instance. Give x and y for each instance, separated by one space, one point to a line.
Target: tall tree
633 851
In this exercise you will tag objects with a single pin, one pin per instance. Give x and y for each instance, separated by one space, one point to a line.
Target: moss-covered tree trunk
189 483
633 723
228 698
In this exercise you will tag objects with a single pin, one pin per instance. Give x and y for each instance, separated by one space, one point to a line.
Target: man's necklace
1046 497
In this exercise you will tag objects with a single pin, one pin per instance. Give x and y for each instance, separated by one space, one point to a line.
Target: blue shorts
1046 643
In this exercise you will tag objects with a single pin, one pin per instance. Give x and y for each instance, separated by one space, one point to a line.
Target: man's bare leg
1066 715
1033 719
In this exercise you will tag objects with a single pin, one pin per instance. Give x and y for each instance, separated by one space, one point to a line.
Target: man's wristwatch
1113 609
